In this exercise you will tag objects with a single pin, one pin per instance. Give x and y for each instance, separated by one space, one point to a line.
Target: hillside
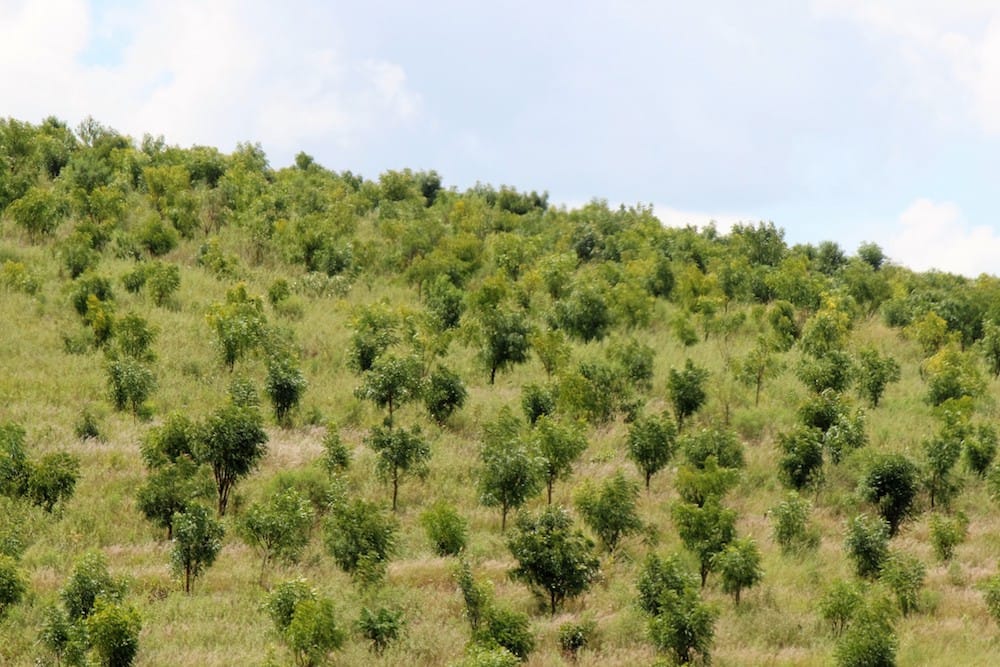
160 302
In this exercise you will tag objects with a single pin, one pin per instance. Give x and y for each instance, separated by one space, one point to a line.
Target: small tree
537 401
239 324
285 385
90 580
552 349
980 449
278 528
839 604
336 455
381 627
12 584
869 640
53 479
686 389
739 566
476 596
313 632
722 444
705 530
504 339
361 538
553 559
511 472
509 630
651 444
758 366
946 534
801 464
281 601
943 451
873 372
991 596
172 488
867 544
445 528
610 511
574 637
113 630
374 332
400 452
444 394
130 383
904 575
197 542
699 485
232 441
559 446
390 382
891 485
791 524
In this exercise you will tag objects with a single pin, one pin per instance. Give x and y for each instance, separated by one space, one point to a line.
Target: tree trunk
493 374
187 578
503 519
552 602
551 481
395 488
649 473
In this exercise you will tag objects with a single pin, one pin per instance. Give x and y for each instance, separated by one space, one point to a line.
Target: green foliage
130 383
891 485
39 211
537 401
801 463
738 566
509 630
942 451
705 530
651 444
399 452
197 542
78 255
446 530
724 445
336 455
171 488
833 371
980 448
285 385
610 510
552 350
867 544
313 632
232 441
361 538
759 365
53 479
374 332
133 336
444 394
511 472
574 637
686 389
989 344
553 559
162 280
156 237
13 585
904 575
239 324
480 655
991 596
785 328
658 578
583 314
635 359
68 641
873 372
87 286
791 528
445 302
170 441
281 601
89 581
951 375
558 445
277 528
381 627
391 381
946 534
839 604
476 596
113 630
593 392
14 467
869 640
684 626
504 340
698 485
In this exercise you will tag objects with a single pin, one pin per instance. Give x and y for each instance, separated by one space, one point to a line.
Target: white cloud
949 51
210 73
723 221
936 235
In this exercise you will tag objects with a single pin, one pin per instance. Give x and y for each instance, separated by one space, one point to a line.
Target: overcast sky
844 120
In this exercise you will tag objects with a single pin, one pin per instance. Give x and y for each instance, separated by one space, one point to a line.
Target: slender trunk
170 531
550 490
649 473
263 564
552 602
395 489
756 398
704 574
493 374
187 578
737 596
503 519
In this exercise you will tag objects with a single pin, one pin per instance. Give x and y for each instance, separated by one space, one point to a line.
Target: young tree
444 394
867 544
281 601
381 627
400 452
511 472
553 559
904 575
943 451
197 542
172 488
651 444
758 366
873 372
313 632
374 332
113 630
504 339
699 485
552 349
839 603
239 324
285 384
12 584
705 531
53 479
610 511
130 383
391 381
739 566
361 538
801 464
686 389
447 531
891 485
791 524
277 528
559 446
90 580
232 441
680 622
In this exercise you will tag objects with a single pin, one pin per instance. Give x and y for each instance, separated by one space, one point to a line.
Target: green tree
172 488
946 534
90 580
801 463
511 472
651 444
705 530
285 384
758 366
12 584
951 375
873 372
680 623
313 632
509 630
839 603
232 441
447 531
277 528
686 389
867 544
374 332
381 627
739 566
361 538
552 349
130 383
610 510
391 381
113 630
559 446
197 542
163 279
504 339
869 640
399 452
943 451
39 211
699 485
444 394
724 445
891 485
904 575
791 524
53 479
553 559
583 314
239 324
281 601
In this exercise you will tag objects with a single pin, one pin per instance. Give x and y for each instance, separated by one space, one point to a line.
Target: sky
842 120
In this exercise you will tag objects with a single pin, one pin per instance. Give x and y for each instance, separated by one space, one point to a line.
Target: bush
991 596
284 386
12 584
87 426
53 479
867 544
724 445
946 534
445 528
508 629
537 401
361 538
686 389
791 524
573 637
739 566
838 605
444 393
685 627
651 444
281 602
89 581
313 632
610 510
891 485
156 237
904 575
980 449
113 630
381 627
163 280
801 464
869 640
336 455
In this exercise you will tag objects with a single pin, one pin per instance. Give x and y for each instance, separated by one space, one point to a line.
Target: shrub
610 510
130 383
686 389
444 393
53 479
537 401
685 627
839 603
867 544
12 584
801 464
361 538
313 632
278 528
507 629
573 637
197 542
445 528
162 280
381 627
980 449
904 575
991 596
156 237
946 534
651 444
284 386
791 524
282 600
90 580
869 640
399 452
87 426
739 566
113 630
336 455
724 445
891 485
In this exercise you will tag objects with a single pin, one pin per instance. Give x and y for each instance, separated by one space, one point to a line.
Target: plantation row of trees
619 395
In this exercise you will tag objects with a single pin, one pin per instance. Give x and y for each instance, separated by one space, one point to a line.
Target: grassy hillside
97 204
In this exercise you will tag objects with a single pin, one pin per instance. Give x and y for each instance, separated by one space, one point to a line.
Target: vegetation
189 328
